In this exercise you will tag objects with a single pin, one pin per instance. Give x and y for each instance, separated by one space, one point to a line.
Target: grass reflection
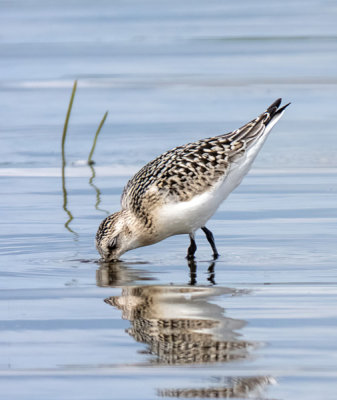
64 189
65 202
97 190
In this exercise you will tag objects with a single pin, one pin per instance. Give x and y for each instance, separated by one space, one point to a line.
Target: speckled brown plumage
191 169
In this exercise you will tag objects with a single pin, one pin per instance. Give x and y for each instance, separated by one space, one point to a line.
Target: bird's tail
261 125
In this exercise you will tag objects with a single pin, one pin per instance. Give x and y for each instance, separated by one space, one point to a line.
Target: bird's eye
112 243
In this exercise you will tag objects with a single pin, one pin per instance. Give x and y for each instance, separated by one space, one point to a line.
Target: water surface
261 322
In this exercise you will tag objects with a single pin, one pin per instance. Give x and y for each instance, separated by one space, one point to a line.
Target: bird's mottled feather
191 169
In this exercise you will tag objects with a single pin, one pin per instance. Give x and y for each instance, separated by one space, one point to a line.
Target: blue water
262 322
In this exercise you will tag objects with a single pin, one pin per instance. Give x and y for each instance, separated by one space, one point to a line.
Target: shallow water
261 322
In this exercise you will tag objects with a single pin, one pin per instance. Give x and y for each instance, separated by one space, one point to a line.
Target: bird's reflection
180 325
229 388
183 325
120 274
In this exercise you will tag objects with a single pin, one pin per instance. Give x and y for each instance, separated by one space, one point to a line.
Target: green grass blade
95 139
64 189
66 122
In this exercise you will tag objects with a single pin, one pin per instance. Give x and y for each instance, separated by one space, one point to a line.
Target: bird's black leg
192 249
210 238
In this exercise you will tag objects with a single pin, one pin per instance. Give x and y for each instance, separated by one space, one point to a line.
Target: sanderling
179 191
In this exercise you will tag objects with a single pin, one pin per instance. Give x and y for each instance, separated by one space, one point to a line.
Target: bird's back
190 170
180 190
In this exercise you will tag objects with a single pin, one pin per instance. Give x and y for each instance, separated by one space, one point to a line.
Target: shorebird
179 191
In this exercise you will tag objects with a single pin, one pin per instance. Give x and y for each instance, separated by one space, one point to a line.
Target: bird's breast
184 217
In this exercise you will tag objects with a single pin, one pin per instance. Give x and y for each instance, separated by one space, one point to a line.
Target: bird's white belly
188 216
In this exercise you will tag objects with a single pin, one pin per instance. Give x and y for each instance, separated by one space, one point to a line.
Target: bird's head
116 235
